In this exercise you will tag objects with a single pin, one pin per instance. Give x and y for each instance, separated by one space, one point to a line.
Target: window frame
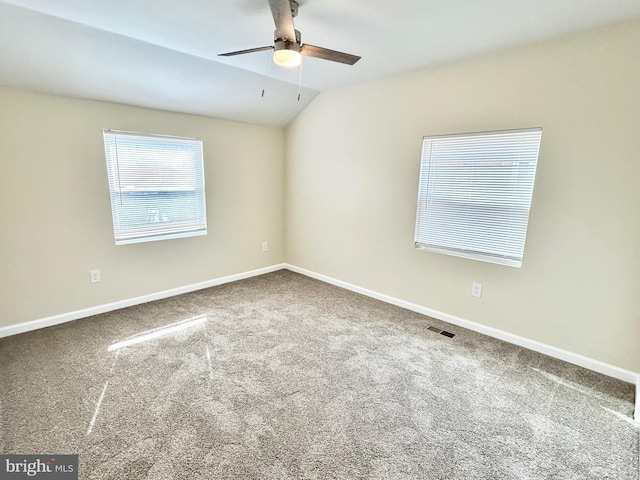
156 169
468 236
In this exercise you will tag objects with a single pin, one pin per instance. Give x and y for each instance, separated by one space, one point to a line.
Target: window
156 185
475 193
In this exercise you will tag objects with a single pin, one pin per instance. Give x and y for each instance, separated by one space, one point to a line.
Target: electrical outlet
265 246
476 289
95 275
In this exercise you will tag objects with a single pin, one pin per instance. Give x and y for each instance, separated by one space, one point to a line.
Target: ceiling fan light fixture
287 54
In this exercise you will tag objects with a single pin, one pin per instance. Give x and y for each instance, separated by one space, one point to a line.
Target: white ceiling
163 53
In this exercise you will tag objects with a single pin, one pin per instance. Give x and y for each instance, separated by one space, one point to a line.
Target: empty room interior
405 250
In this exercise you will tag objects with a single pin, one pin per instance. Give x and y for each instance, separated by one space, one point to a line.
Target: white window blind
156 185
475 193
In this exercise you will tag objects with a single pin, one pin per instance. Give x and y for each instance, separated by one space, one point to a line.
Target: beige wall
55 213
351 186
346 195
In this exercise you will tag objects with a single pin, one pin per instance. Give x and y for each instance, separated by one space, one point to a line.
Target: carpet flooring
285 377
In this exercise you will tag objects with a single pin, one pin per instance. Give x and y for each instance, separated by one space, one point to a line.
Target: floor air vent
441 332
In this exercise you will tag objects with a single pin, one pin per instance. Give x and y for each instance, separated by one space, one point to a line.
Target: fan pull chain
300 78
264 77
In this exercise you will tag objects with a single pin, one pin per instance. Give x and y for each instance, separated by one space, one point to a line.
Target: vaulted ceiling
163 53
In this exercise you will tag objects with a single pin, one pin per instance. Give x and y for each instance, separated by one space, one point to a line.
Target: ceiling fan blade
242 52
326 54
283 18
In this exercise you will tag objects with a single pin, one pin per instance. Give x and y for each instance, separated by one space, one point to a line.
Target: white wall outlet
95 275
476 289
265 246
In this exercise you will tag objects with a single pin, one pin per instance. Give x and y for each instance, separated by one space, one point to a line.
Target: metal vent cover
441 332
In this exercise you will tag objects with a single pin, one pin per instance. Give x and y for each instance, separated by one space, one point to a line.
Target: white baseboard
570 357
574 358
87 312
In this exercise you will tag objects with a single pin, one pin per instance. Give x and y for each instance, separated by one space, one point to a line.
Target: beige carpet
285 377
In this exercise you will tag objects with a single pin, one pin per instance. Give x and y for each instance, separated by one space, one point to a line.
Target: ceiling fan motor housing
277 38
284 44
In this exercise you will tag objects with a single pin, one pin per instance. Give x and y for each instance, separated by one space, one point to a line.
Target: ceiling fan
287 48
